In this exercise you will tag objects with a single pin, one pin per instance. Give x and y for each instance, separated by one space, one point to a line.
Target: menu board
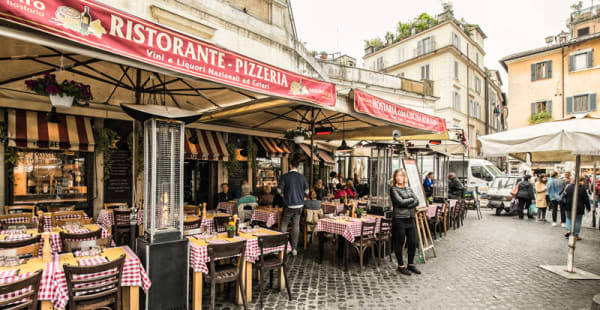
117 187
414 180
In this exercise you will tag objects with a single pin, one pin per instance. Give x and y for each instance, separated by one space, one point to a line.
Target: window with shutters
456 41
541 70
379 66
580 104
539 107
583 31
581 60
425 72
425 46
456 70
456 101
478 85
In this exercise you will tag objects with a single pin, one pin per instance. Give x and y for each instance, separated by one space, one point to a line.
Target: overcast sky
510 25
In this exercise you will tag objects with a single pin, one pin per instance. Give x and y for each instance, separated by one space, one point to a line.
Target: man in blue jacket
293 186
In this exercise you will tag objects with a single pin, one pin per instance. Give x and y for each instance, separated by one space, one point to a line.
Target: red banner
103 27
379 108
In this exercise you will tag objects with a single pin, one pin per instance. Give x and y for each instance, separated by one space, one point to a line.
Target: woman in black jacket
404 202
583 204
525 195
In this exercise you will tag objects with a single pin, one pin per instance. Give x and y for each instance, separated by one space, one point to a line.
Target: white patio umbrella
575 138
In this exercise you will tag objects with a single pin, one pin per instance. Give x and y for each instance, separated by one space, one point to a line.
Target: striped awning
272 148
306 149
29 129
326 158
210 145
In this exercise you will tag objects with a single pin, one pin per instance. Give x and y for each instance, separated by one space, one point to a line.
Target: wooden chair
272 261
7 226
115 205
65 237
365 240
311 218
220 223
384 238
63 215
436 223
66 221
121 229
96 286
19 209
23 293
226 272
193 224
23 218
60 208
72 245
191 210
21 248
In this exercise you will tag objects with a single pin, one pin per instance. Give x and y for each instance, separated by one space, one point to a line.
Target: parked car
499 196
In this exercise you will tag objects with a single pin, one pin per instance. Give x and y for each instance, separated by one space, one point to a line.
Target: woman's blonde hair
393 181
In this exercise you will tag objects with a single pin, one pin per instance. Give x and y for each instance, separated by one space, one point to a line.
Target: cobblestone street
487 264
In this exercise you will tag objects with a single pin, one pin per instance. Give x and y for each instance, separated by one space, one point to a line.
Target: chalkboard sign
117 188
414 180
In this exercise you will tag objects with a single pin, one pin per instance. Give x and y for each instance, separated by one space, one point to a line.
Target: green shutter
549 107
571 62
533 111
549 69
532 72
592 101
590 59
569 104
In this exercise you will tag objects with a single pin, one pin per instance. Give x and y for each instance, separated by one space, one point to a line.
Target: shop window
268 172
49 176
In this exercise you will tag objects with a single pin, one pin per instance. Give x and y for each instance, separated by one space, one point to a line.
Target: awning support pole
312 146
572 239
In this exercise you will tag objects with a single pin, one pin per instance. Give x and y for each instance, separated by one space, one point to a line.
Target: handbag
563 196
515 190
532 209
514 206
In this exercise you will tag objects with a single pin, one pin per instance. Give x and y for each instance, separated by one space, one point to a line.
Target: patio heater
163 249
384 160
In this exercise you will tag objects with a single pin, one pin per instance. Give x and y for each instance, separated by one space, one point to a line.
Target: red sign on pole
379 108
103 27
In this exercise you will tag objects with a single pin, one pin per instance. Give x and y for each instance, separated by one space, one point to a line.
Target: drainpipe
562 79
487 104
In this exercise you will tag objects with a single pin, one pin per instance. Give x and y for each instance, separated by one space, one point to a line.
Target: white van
478 172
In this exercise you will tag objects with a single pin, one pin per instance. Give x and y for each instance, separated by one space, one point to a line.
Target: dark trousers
524 204
404 229
554 205
293 215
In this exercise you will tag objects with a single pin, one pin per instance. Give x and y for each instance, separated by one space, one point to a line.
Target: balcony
424 47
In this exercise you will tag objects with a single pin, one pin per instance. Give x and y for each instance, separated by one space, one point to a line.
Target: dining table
207 220
106 219
230 207
199 259
269 216
47 219
348 228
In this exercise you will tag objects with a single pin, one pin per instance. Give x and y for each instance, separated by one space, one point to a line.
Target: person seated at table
340 193
428 185
265 198
224 195
312 207
455 187
350 189
246 196
320 190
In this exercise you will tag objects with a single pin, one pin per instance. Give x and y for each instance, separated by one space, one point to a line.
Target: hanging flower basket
61 94
61 101
298 135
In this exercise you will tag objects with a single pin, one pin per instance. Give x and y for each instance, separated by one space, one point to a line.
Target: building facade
557 80
450 54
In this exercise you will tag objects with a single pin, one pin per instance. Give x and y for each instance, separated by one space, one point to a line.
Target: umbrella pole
572 239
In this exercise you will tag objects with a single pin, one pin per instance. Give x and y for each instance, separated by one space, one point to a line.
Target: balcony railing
586 13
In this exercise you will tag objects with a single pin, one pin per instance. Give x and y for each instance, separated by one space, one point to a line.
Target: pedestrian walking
293 187
583 204
566 179
540 197
553 192
525 195
404 228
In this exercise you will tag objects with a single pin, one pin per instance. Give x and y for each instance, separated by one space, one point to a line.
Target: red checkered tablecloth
105 219
48 220
348 229
199 255
268 217
56 245
208 224
18 220
46 290
331 207
133 275
228 207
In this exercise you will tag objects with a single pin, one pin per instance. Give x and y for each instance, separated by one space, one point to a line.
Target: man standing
553 189
293 186
564 181
455 187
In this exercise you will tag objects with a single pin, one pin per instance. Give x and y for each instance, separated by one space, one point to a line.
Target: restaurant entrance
199 187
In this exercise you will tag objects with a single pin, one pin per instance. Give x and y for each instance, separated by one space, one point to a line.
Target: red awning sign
103 27
382 109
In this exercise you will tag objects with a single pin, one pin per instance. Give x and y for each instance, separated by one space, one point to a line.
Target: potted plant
313 53
230 227
359 212
61 94
298 135
324 55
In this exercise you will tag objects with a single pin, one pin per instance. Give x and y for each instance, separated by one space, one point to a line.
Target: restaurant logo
80 22
298 89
